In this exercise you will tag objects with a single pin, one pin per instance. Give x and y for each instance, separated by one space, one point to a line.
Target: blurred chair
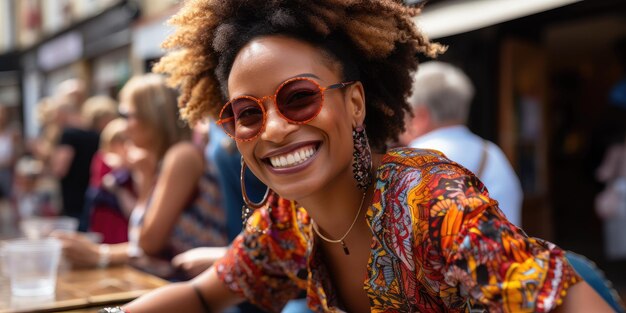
588 270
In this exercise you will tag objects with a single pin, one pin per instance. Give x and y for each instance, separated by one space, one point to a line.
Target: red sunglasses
298 100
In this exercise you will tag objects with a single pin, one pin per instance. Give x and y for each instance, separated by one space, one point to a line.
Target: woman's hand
196 261
78 249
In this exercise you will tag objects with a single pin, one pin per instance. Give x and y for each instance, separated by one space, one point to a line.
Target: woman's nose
276 126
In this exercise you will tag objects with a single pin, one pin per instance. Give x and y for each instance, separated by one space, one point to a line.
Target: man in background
440 102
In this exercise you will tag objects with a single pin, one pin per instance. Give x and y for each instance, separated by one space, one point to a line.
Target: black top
75 182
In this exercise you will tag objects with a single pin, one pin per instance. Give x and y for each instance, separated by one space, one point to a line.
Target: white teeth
292 158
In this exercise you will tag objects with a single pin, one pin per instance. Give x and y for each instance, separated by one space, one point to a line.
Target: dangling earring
249 206
362 158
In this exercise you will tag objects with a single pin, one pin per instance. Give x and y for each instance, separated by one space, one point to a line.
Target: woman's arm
582 298
178 180
80 251
196 261
181 297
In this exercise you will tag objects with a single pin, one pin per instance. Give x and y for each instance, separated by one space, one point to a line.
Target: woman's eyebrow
305 75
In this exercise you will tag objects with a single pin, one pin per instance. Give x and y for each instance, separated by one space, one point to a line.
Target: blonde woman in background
178 205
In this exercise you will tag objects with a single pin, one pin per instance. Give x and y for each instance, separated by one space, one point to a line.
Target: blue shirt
222 152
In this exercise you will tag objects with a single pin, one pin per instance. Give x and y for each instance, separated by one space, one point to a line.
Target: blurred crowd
135 177
144 187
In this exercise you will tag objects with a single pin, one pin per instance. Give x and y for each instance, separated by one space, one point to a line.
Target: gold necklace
341 240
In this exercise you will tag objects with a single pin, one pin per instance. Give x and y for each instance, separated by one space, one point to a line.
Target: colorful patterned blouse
439 244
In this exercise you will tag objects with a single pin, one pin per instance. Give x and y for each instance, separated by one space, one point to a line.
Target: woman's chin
296 193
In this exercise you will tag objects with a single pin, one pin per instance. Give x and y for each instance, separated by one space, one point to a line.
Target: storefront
95 50
148 34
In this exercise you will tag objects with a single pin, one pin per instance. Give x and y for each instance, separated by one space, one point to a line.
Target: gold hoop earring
249 206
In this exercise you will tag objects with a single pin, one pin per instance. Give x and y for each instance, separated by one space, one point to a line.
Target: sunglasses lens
242 118
299 100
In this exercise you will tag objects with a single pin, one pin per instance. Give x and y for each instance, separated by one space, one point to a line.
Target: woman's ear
355 98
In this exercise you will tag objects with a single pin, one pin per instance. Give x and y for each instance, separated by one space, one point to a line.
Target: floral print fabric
440 244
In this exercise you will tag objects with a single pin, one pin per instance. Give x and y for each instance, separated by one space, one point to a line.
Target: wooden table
84 289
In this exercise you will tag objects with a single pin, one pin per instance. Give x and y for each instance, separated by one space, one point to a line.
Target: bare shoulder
583 298
183 155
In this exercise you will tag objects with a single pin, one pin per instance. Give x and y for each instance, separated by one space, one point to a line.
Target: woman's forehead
273 59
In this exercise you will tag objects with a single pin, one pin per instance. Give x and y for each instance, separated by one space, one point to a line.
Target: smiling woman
357 227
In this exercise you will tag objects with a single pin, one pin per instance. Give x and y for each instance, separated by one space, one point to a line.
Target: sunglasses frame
260 101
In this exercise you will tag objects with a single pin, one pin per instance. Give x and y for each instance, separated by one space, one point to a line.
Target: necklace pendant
345 248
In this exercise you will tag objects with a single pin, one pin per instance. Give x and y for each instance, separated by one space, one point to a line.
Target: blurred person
200 134
178 204
39 194
98 111
222 152
79 140
111 192
440 103
29 200
49 130
10 150
295 83
610 202
42 147
72 91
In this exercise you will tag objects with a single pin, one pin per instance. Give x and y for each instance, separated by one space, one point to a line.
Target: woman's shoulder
409 160
182 156
412 156
184 146
184 151
407 172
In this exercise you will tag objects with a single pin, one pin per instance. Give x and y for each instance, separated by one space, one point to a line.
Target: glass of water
32 265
